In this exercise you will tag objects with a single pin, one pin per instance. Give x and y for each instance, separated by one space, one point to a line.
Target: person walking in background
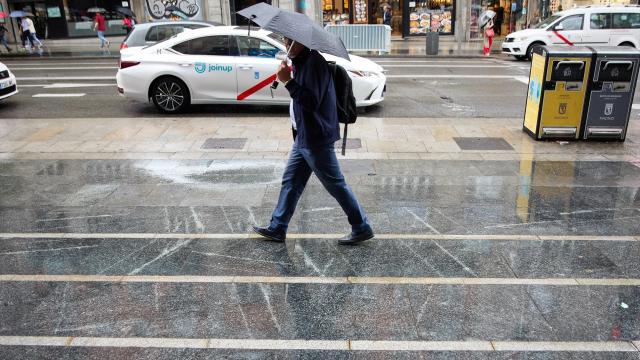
27 42
127 23
489 34
498 20
386 16
3 37
100 26
32 33
315 118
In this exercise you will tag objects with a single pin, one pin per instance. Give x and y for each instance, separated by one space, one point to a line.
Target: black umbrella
125 11
297 27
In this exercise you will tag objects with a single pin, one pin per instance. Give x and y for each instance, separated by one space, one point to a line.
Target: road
416 88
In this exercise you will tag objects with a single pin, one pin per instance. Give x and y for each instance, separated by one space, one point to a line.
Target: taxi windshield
548 21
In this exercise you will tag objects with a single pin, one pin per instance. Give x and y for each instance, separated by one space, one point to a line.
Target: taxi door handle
246 67
186 64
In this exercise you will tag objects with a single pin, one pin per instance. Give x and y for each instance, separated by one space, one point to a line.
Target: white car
8 84
598 25
225 65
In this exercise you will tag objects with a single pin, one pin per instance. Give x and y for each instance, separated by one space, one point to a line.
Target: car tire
170 95
521 57
531 49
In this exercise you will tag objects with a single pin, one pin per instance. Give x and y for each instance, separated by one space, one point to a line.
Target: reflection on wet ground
460 230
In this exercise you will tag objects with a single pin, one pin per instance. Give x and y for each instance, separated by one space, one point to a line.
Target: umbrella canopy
125 11
297 27
485 17
96 10
20 13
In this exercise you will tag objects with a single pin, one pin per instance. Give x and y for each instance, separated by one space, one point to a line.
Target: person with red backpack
127 23
316 123
100 26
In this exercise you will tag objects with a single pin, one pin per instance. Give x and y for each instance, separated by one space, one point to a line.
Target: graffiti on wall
166 9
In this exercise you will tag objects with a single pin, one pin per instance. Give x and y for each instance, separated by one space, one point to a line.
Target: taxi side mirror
558 27
281 55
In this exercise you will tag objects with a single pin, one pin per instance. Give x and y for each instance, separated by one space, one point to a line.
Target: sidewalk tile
443 146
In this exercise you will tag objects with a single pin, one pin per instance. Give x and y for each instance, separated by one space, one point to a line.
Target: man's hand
284 72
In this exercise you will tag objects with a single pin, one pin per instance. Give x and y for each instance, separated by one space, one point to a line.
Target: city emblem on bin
200 67
615 72
567 72
562 109
608 109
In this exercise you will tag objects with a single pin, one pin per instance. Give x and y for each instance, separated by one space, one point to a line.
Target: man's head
294 50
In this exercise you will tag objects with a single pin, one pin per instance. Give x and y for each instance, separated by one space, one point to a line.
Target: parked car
590 25
8 84
151 33
223 65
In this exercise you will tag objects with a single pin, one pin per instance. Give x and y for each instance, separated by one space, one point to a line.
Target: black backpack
346 102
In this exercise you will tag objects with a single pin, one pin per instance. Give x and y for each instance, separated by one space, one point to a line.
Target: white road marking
452 76
444 66
522 79
65 86
58 95
333 280
65 68
635 106
311 236
41 78
336 345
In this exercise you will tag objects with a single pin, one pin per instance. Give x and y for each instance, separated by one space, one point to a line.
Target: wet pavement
127 235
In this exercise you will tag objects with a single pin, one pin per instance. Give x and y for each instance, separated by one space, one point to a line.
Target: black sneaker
353 238
270 233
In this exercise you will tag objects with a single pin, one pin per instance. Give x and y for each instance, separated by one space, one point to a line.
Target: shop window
431 16
337 12
376 13
600 21
207 45
249 46
80 21
160 33
626 21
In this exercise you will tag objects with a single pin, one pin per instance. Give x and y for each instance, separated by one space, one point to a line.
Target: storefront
408 18
55 19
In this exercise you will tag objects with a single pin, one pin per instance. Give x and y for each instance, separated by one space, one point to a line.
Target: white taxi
225 65
8 85
589 25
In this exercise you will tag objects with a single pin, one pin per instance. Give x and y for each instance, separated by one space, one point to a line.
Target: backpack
345 101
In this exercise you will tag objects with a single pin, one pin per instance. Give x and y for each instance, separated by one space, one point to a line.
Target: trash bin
612 88
433 42
558 84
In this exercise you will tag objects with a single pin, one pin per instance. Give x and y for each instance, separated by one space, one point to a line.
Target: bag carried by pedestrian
346 102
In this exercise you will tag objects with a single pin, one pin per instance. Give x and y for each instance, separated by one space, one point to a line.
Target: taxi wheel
532 48
170 95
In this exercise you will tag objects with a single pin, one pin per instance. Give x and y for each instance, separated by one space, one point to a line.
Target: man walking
3 38
32 33
316 129
100 26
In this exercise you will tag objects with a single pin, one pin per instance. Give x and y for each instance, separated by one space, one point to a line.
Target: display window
394 17
335 12
80 20
430 16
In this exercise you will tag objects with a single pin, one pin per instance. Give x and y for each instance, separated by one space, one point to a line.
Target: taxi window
207 45
626 21
600 21
163 32
572 23
250 46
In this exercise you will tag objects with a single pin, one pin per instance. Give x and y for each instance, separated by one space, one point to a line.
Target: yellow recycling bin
557 89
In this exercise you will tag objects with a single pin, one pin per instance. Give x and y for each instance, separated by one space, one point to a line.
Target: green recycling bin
613 85
558 86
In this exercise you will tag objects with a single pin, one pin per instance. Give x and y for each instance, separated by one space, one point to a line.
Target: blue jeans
323 163
103 40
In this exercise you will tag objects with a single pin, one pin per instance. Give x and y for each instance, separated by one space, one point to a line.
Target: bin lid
616 50
563 50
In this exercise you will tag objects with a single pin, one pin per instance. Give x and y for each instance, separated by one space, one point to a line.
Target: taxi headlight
520 39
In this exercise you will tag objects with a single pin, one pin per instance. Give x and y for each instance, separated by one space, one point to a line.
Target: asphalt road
449 88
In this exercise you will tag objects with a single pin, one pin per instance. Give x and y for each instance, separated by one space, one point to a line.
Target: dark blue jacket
314 101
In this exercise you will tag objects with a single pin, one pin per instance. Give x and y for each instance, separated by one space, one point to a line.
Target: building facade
408 18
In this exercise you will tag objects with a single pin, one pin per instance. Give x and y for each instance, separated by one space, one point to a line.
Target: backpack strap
344 139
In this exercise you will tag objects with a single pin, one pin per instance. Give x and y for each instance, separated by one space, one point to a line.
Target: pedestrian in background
489 34
3 37
32 33
100 26
386 16
27 42
315 119
127 23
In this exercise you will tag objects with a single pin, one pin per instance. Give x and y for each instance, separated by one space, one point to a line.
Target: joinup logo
200 67
203 67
